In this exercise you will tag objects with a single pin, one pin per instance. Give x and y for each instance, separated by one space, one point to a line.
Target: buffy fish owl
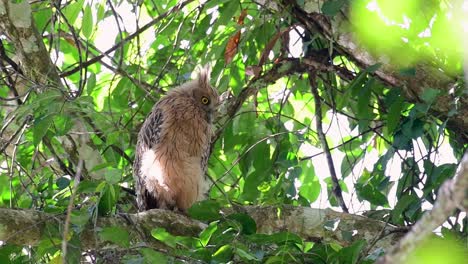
173 147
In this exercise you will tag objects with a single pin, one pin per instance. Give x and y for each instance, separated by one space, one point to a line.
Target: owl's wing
148 137
204 164
205 156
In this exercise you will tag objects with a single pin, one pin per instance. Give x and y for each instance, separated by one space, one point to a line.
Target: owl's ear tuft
204 76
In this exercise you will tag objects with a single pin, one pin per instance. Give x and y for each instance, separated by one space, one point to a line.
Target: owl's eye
205 100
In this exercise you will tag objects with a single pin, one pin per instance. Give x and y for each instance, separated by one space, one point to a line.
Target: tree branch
69 211
318 119
27 227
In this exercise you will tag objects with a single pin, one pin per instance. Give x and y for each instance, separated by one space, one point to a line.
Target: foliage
267 152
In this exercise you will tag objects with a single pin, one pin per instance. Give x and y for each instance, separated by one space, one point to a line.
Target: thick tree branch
27 227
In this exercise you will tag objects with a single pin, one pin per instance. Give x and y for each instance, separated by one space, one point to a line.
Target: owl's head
203 94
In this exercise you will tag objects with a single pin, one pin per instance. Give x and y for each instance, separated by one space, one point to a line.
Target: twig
146 87
69 209
102 137
80 56
117 22
318 118
23 125
13 157
5 57
342 143
249 149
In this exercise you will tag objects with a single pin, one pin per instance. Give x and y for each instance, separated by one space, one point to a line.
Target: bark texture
28 227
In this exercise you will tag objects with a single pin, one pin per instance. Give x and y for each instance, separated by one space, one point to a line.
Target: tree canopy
343 123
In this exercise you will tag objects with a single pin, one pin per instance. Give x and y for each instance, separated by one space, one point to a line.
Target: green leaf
356 85
416 130
80 218
74 249
100 12
115 235
42 16
152 256
62 123
310 187
261 152
170 240
223 254
107 200
367 191
443 172
279 238
279 259
245 255
120 94
87 23
72 10
364 98
91 83
436 175
113 176
332 7
87 186
351 254
348 163
248 224
259 157
6 251
401 206
25 202
251 190
409 172
401 141
202 254
62 182
211 4
4 91
228 10
394 114
429 95
206 234
41 125
207 210
162 235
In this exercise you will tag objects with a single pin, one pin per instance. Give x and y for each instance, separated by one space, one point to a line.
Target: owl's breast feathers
172 154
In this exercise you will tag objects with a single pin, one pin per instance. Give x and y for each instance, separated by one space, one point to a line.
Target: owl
173 147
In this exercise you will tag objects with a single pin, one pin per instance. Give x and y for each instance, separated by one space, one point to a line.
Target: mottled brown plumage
173 147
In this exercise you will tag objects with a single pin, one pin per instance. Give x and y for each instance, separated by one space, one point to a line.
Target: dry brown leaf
231 47
233 42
